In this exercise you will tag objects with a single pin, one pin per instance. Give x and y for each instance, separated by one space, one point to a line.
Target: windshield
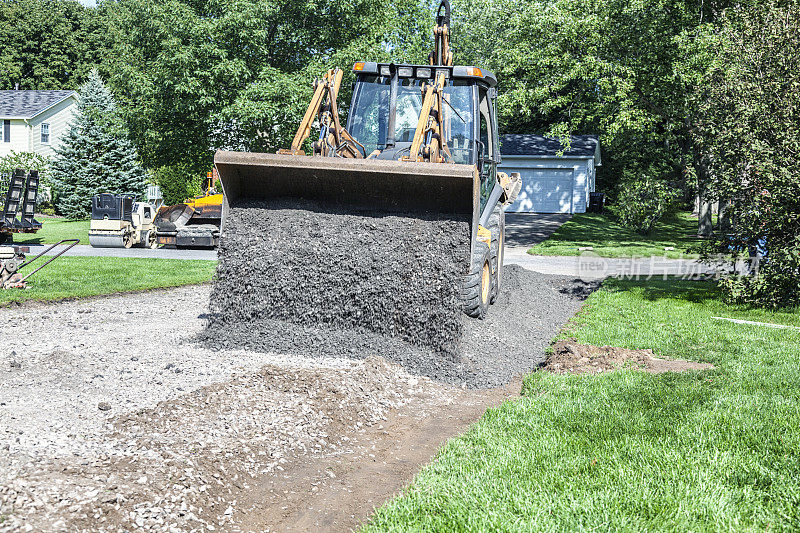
370 113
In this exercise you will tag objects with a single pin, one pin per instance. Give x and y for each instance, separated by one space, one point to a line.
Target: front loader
419 138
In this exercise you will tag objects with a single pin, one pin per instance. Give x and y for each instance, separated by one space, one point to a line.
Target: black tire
476 290
497 225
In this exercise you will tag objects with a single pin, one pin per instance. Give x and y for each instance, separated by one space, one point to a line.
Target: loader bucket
383 185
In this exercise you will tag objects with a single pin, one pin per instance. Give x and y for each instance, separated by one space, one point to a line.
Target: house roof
525 144
28 104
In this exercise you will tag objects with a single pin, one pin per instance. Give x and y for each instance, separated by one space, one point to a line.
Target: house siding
59 117
20 138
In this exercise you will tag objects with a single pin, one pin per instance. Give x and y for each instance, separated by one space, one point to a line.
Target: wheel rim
486 282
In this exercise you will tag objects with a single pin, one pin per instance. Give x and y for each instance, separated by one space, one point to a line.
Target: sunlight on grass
610 239
54 230
73 277
700 451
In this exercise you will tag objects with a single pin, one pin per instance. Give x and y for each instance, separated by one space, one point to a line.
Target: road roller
119 221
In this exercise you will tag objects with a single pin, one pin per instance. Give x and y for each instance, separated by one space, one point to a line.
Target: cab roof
426 71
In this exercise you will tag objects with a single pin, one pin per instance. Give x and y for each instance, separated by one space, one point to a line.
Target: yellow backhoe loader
418 138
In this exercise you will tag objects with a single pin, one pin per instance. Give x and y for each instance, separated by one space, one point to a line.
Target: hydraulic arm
333 137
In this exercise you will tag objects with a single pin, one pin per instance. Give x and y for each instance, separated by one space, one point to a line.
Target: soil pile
571 357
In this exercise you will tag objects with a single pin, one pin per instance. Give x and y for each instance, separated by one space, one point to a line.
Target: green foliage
95 156
24 160
49 44
642 200
195 76
177 183
751 137
623 69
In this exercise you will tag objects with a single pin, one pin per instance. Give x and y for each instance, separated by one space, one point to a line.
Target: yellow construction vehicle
418 138
195 222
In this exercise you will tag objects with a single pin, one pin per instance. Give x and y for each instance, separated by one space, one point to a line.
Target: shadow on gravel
580 289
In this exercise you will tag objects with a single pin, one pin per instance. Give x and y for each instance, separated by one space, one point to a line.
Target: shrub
641 203
178 182
31 161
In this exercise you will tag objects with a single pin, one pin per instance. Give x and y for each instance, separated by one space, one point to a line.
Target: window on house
7 131
45 133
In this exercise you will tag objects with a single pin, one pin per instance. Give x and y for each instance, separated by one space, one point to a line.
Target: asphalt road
590 266
84 250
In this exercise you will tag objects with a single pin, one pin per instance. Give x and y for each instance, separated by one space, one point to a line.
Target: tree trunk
705 224
725 223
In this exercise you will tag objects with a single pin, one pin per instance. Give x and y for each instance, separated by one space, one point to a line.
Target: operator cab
388 97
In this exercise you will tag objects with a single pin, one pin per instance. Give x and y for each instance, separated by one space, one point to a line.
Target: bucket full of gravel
314 279
342 270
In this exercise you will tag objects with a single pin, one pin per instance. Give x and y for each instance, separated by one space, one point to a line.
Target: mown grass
611 239
717 450
54 230
76 277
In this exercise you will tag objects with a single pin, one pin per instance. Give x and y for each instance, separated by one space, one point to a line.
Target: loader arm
429 143
441 54
333 139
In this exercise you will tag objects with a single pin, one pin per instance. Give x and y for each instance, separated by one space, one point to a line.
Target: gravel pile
307 279
103 428
530 310
339 268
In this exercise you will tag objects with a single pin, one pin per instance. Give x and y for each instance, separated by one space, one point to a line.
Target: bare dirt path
338 492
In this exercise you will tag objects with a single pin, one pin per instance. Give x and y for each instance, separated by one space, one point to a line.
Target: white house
551 183
34 121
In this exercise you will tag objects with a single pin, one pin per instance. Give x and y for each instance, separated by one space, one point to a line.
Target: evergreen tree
96 155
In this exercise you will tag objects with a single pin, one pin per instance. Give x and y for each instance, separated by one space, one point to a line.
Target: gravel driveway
111 419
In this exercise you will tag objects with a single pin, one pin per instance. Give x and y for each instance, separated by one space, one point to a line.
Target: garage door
544 190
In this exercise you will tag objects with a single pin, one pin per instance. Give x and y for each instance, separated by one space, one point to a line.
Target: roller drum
106 241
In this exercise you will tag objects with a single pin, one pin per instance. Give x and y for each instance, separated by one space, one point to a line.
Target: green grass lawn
717 450
54 230
610 239
74 277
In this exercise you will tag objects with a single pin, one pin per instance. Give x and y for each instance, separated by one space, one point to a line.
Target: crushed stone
188 430
303 278
343 268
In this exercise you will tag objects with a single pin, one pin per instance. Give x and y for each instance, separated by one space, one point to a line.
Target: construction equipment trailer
418 138
21 190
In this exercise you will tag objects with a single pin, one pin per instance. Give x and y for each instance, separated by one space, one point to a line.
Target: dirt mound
571 357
